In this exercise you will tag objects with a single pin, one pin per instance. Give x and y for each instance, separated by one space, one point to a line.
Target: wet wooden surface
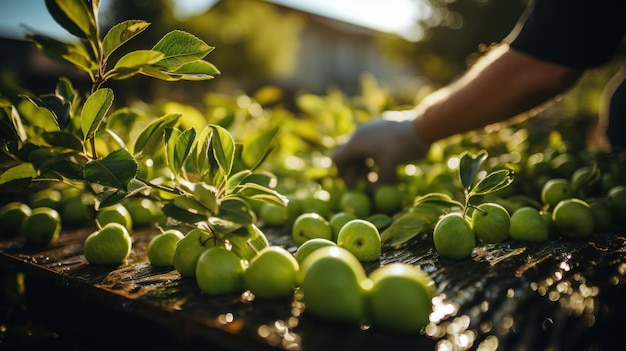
560 295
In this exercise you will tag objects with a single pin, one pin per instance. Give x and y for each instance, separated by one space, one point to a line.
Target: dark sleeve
576 33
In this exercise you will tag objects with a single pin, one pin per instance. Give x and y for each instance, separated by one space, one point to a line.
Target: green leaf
132 63
94 110
237 211
494 181
200 149
115 170
120 34
259 192
45 157
152 135
469 166
23 171
178 149
180 47
63 140
207 195
65 168
440 199
223 147
235 180
191 204
73 53
182 215
195 70
256 150
56 105
73 16
405 227
65 89
110 197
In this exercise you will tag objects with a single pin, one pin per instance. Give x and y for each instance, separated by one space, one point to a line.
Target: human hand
389 141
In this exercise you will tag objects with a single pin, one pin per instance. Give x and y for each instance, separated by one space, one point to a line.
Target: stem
94 153
160 187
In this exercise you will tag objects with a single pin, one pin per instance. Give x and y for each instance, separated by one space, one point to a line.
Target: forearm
503 84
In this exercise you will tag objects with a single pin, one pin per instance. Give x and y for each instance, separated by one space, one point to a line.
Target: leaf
65 168
115 170
181 215
237 211
178 145
256 150
492 182
132 63
440 199
56 105
223 147
65 89
469 166
73 16
195 70
152 134
192 205
207 195
110 197
73 53
120 34
94 110
63 140
235 180
199 151
405 227
44 157
24 171
180 47
259 192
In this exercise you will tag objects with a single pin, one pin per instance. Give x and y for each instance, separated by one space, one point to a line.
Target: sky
393 16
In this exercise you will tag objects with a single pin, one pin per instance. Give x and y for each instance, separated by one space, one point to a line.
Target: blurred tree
454 32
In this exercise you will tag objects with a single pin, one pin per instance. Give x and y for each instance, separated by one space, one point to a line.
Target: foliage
76 138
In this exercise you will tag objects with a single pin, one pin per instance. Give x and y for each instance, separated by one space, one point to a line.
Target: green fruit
400 298
333 283
617 200
491 222
573 218
527 224
388 199
355 202
338 220
309 246
219 271
310 225
143 212
12 215
161 247
246 241
75 208
564 165
42 227
555 190
602 214
115 214
46 198
272 273
273 215
361 238
189 249
454 236
110 245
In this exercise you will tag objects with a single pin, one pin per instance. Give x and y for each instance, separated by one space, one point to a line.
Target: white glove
389 141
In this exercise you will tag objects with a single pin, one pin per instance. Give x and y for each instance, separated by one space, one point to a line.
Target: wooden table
560 295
